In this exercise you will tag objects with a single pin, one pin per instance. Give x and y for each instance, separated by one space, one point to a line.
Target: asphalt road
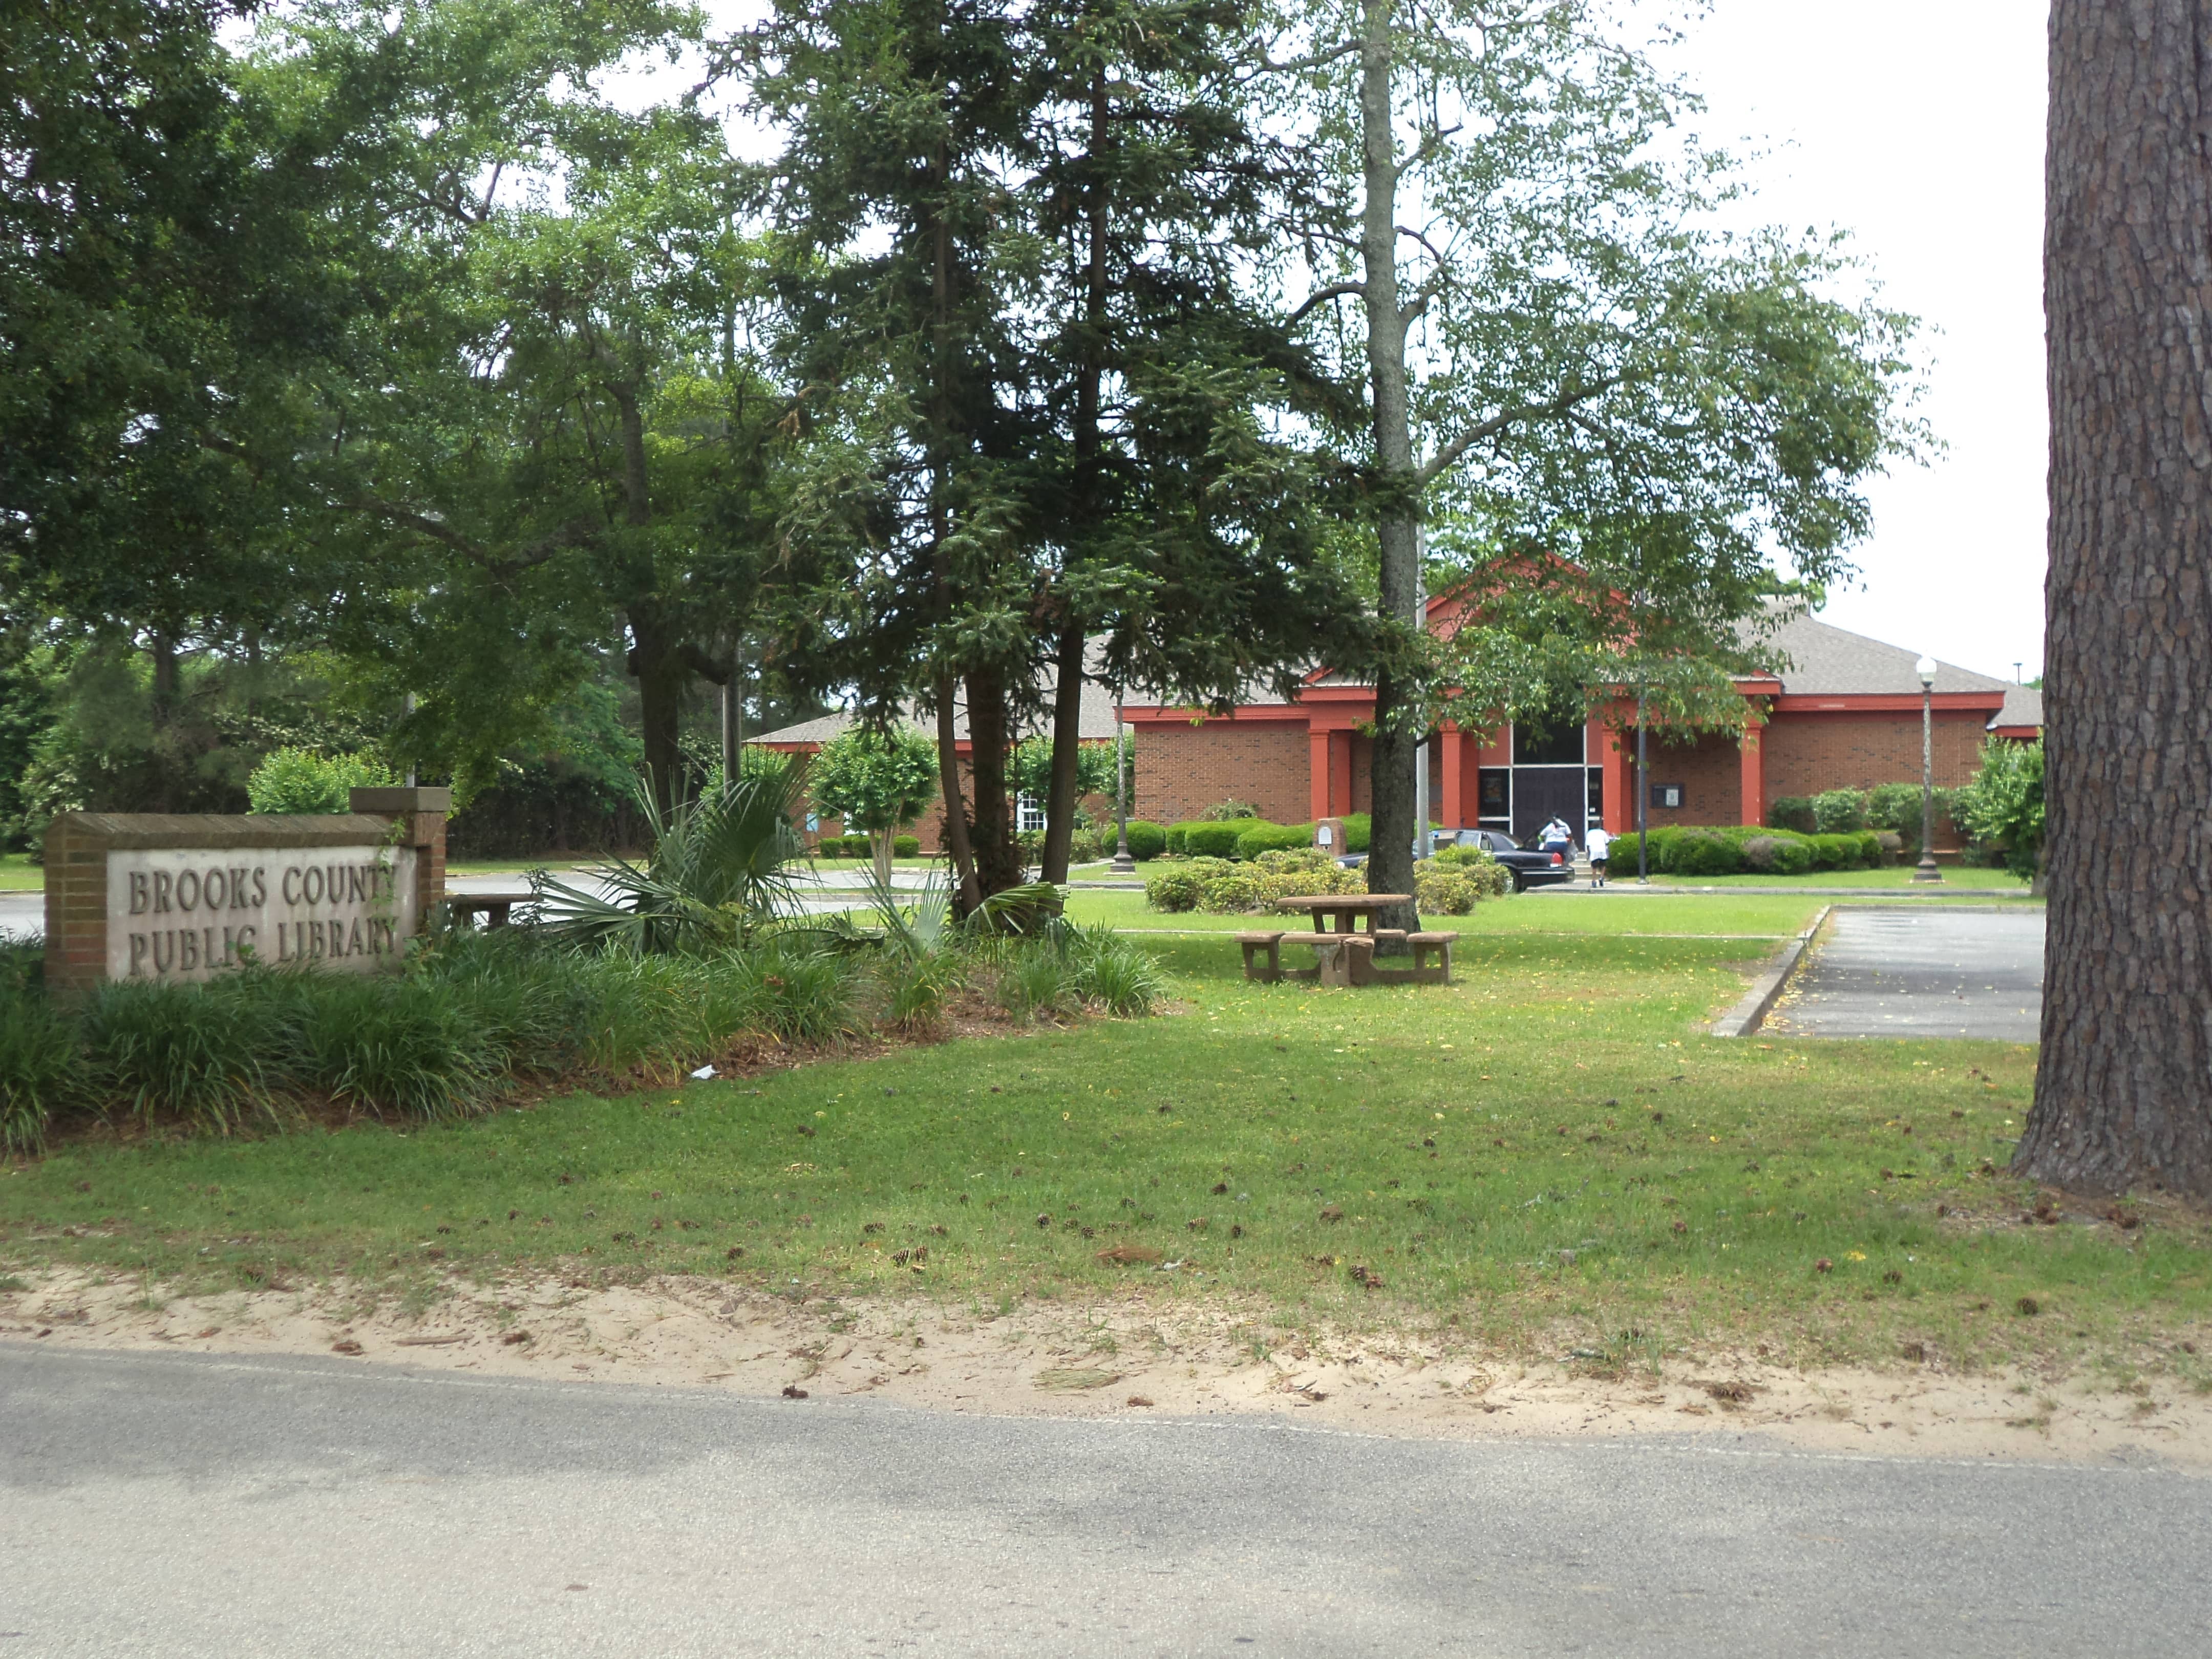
1931 973
182 1505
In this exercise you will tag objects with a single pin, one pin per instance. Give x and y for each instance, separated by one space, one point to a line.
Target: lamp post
1927 871
1123 865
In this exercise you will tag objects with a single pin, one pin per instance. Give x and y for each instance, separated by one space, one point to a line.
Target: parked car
1530 868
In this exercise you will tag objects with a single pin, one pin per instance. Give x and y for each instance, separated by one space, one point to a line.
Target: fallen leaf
793 1391
348 1345
1129 1255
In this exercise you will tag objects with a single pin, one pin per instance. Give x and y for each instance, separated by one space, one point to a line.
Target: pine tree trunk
1390 850
2123 1093
662 676
998 858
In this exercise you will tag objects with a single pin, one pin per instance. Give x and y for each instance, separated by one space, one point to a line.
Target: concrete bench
1422 943
1253 943
495 908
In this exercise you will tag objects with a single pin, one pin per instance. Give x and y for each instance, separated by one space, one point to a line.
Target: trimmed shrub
1792 812
1359 831
1704 852
906 847
1490 878
1840 811
1779 855
1147 840
1228 811
1210 839
1842 852
1265 837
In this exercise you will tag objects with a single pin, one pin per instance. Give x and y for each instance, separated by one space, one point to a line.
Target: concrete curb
1748 1015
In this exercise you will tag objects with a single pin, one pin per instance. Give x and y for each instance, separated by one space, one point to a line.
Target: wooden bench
1254 944
495 908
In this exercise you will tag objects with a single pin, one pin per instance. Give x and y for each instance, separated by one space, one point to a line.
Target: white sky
1918 125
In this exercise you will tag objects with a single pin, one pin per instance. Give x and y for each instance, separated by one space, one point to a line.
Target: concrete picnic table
1343 954
1346 907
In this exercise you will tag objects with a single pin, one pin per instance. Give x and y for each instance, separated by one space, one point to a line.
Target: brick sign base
185 896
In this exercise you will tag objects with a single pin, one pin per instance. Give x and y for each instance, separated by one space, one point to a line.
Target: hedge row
1731 849
860 847
1247 838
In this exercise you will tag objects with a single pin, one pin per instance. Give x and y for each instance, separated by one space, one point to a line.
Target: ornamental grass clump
198 1053
42 1065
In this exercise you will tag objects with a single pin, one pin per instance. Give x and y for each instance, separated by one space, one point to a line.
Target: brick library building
1844 713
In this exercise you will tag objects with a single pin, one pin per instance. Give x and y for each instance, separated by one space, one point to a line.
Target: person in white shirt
1600 843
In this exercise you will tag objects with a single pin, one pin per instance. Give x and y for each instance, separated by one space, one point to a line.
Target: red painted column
1454 747
1340 774
1317 770
1751 755
1620 763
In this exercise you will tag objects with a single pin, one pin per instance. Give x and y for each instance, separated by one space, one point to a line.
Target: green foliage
873 779
42 1066
718 871
906 847
300 781
379 1045
1491 878
1227 812
1780 856
1211 838
1147 840
1454 886
1264 838
1029 768
1702 853
2003 806
1840 811
1792 812
198 1053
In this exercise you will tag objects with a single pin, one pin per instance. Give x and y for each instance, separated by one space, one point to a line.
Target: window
1496 795
1028 814
1556 742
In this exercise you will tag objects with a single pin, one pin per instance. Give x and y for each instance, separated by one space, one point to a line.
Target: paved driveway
182 1505
1922 973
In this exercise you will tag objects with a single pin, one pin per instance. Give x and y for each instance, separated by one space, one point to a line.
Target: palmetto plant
720 870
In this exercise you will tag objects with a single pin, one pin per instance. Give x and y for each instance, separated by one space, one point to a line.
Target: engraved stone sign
164 897
177 912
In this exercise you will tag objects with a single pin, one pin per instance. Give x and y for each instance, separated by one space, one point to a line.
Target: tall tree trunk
662 675
2124 1092
1067 693
940 230
1390 852
997 857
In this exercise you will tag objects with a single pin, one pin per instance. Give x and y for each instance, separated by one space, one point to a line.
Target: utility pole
1123 863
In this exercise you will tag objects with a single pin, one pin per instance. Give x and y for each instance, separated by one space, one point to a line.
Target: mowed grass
19 874
1545 1154
1983 883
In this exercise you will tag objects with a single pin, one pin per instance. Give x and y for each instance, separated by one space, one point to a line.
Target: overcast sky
1918 125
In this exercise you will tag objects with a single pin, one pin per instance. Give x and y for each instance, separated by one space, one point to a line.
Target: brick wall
1808 753
1182 769
1710 773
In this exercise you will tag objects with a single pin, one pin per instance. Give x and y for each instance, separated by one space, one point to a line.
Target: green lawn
1546 1151
1761 915
19 874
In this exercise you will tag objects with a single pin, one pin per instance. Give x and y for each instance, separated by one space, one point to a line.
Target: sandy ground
1069 1361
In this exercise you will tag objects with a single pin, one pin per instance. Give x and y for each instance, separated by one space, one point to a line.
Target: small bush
302 780
919 985
1208 839
1179 888
801 996
1792 812
1113 974
1841 851
1359 831
1442 891
1228 811
906 847
1264 838
1780 856
1840 811
1704 853
1147 840
1034 980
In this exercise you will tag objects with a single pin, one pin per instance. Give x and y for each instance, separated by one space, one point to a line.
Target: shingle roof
1823 660
2023 706
1095 721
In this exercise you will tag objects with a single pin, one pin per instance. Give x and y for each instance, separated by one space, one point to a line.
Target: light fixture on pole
1123 865
1927 870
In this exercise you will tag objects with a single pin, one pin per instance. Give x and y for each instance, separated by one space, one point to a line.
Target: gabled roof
1824 660
2023 707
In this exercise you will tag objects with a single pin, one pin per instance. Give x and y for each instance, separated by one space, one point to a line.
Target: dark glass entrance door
1541 793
